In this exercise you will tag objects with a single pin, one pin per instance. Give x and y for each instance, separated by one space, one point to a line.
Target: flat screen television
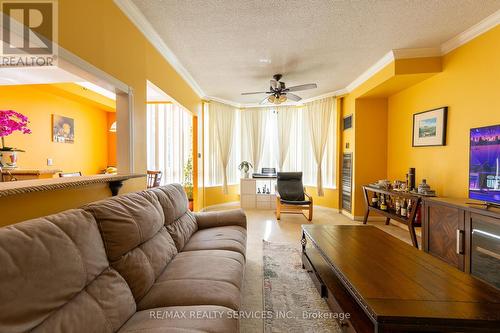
484 164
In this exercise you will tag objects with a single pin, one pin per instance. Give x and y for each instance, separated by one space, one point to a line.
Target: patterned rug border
267 280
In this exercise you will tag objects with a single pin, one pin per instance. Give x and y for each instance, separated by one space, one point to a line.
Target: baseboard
235 204
361 218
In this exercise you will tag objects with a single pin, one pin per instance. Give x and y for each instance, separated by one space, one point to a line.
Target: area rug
291 301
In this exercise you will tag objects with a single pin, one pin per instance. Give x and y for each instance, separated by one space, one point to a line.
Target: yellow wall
113 44
98 32
469 85
89 153
111 140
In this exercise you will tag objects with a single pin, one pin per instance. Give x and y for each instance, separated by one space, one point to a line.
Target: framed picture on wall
429 128
63 129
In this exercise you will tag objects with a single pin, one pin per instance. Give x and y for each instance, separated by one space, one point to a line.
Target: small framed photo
429 128
63 129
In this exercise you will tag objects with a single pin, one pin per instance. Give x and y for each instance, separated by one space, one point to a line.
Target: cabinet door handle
460 241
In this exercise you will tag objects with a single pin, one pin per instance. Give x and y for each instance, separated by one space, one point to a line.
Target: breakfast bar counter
40 185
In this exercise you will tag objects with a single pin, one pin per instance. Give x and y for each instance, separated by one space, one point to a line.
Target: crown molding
223 101
424 52
376 67
137 18
488 23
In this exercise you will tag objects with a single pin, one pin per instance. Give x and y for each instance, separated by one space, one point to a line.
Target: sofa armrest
221 218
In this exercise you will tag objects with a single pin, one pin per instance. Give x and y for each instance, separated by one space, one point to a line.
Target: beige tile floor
262 225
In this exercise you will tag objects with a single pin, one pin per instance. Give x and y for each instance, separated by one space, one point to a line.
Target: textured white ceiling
221 43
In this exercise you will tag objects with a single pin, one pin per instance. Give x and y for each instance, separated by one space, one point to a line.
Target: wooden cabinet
466 236
444 228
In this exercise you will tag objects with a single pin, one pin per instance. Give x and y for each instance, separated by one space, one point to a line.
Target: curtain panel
222 119
318 114
254 127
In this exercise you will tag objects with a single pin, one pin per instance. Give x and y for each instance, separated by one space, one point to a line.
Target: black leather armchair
291 196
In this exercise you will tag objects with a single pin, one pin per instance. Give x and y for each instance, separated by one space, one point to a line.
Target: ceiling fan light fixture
282 99
271 99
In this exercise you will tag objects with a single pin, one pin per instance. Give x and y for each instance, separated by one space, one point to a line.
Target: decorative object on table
63 129
429 128
288 287
411 179
245 167
10 122
423 187
188 182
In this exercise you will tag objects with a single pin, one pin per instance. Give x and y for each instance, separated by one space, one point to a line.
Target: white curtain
222 119
253 125
285 116
318 114
169 140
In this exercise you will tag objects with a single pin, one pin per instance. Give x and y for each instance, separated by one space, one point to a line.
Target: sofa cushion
55 277
231 238
136 240
210 277
210 319
180 222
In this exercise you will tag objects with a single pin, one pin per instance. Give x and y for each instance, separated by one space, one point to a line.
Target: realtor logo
29 33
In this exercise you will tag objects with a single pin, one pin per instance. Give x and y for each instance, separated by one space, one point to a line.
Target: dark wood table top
392 279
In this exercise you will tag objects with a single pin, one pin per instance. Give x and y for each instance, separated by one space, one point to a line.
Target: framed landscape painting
429 128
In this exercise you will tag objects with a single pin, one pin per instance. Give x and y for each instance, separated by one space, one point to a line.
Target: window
213 168
169 140
300 155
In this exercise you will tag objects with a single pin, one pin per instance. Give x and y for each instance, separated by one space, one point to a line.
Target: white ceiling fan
279 93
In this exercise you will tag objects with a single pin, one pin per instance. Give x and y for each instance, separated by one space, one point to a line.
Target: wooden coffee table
387 285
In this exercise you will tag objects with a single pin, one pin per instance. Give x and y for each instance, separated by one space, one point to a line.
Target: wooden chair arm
308 196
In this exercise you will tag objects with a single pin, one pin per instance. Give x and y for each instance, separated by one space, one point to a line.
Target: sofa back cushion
137 243
55 277
180 222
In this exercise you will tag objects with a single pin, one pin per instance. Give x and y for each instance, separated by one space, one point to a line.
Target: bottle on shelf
408 211
375 200
397 206
383 203
404 208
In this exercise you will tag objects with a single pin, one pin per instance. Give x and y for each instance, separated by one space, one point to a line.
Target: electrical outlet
50 162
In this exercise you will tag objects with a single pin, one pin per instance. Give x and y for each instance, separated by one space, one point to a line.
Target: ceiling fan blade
258 92
274 84
264 101
293 97
302 87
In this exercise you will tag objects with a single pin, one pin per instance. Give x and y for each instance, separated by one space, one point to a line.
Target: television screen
484 167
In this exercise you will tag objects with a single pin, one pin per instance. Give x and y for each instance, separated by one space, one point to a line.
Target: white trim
223 101
488 23
376 67
417 53
138 19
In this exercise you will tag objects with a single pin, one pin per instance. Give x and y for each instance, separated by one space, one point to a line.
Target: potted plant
188 182
245 167
10 122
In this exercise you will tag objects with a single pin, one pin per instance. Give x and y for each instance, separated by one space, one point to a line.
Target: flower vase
8 159
247 174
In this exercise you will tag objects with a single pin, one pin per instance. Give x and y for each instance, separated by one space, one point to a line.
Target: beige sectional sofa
140 262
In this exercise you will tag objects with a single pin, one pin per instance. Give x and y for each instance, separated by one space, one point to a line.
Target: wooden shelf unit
390 213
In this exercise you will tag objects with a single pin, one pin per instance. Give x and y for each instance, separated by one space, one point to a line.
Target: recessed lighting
265 61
